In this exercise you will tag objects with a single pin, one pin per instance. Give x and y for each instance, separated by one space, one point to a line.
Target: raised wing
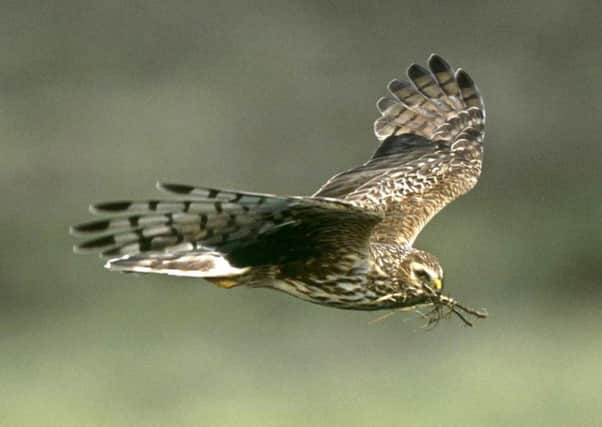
431 129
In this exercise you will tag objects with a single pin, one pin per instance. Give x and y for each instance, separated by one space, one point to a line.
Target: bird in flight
350 244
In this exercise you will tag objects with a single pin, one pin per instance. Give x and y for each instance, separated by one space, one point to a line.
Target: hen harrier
350 244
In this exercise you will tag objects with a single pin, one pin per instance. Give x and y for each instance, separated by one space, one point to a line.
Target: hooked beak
438 284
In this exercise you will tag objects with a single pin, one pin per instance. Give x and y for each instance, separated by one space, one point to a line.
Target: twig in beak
454 306
462 318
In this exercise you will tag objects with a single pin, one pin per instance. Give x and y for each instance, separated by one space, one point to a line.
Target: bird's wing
431 131
248 229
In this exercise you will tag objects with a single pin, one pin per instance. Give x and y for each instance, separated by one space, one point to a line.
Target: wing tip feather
463 78
395 85
89 227
110 207
416 71
437 64
168 187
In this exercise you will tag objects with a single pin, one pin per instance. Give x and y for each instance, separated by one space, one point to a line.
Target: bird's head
423 275
423 271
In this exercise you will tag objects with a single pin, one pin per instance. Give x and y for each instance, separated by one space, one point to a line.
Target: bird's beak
438 284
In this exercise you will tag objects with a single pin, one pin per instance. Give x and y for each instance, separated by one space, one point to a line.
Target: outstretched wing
247 229
431 131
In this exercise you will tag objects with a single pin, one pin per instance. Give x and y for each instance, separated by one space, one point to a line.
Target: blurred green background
101 99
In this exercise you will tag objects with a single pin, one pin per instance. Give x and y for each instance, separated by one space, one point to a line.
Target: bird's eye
433 281
423 275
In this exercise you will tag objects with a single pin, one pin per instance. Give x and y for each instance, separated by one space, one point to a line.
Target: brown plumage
350 245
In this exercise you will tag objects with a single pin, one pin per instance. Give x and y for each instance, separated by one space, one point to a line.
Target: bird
350 245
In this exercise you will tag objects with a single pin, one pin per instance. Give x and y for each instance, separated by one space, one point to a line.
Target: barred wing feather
431 130
248 229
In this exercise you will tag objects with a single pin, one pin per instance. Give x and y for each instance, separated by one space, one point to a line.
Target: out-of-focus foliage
100 99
